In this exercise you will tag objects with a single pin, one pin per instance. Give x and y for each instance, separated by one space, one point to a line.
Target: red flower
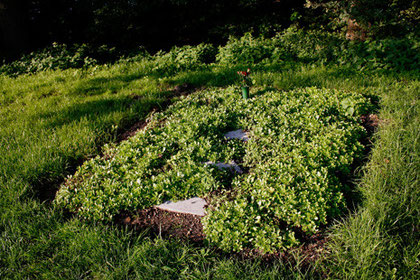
243 73
245 77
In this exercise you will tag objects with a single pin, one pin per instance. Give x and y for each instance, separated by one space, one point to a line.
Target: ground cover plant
41 143
292 180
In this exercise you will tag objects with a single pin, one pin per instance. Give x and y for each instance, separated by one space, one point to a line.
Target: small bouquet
246 82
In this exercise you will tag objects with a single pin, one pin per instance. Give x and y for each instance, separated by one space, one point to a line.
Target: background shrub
322 47
245 50
397 54
57 56
184 58
307 46
317 47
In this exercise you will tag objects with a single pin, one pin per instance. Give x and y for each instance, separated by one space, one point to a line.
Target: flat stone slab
232 166
194 206
237 134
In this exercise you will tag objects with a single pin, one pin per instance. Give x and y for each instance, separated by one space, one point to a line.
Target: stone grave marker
194 206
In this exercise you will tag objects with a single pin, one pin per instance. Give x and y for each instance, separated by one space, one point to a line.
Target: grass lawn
52 121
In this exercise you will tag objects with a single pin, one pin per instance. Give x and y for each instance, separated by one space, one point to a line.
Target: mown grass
52 121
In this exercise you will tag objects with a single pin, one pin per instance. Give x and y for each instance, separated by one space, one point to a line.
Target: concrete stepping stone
194 206
237 134
232 166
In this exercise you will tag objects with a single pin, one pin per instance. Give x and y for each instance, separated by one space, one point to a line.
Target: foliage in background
184 58
51 58
27 25
288 46
380 18
322 47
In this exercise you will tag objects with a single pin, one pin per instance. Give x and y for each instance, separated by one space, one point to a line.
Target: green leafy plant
184 58
245 50
324 48
299 142
57 56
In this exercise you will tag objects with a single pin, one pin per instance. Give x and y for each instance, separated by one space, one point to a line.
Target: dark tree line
126 24
27 25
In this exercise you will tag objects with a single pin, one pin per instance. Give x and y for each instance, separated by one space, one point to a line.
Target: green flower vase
245 92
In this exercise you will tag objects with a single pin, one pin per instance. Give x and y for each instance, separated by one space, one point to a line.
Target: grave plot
269 166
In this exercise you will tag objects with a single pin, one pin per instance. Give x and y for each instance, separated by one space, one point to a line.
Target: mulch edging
165 223
370 122
188 227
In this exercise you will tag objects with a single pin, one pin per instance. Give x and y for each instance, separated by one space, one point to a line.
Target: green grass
382 239
52 121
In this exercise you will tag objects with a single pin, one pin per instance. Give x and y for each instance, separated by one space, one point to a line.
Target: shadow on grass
94 110
220 78
113 83
283 76
100 85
